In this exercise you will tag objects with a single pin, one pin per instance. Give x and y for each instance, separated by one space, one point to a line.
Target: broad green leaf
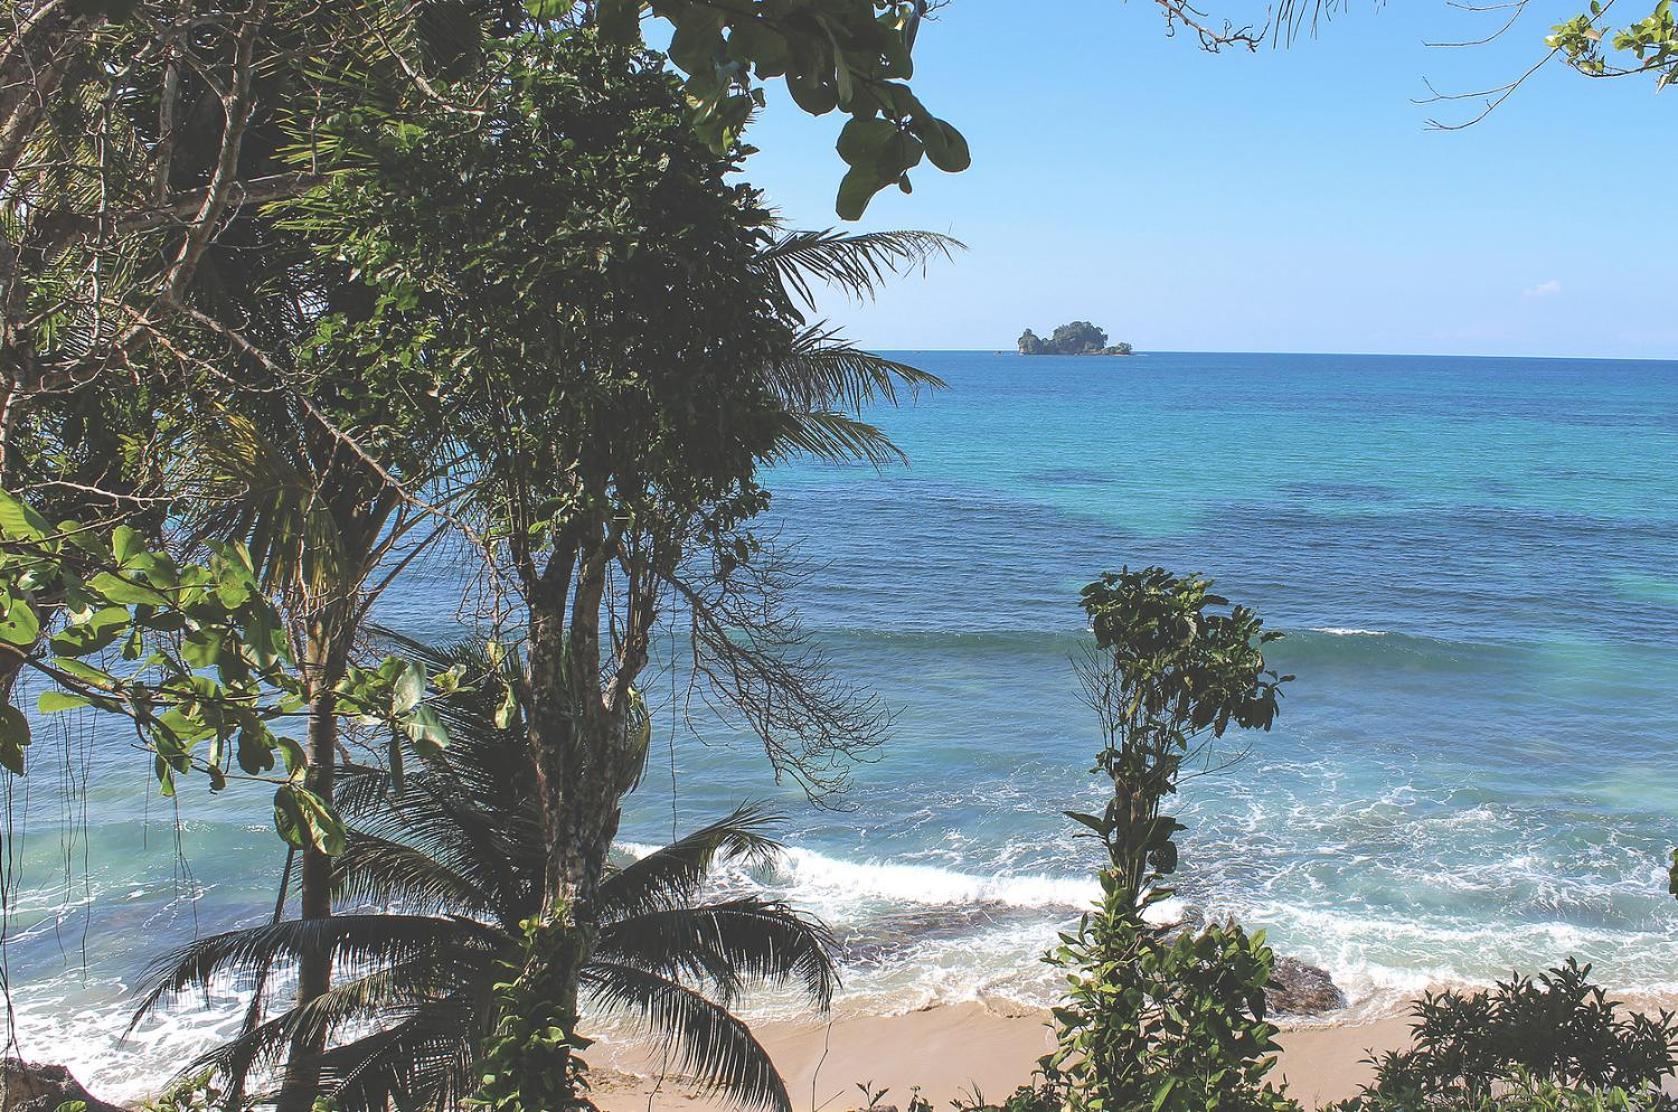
14 738
425 730
945 146
862 140
51 701
19 625
126 592
303 819
409 687
126 545
19 520
255 752
856 190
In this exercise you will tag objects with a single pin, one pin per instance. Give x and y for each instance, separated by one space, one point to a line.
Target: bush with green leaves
1524 1095
1154 1019
1556 1030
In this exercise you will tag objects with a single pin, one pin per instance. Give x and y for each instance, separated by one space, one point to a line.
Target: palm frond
822 371
728 945
672 875
357 944
259 490
381 872
423 1058
835 438
351 1004
712 1045
857 263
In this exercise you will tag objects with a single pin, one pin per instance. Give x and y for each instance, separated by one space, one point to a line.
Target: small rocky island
1078 338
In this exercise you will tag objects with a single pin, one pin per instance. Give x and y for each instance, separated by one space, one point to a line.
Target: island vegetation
295 294
1077 338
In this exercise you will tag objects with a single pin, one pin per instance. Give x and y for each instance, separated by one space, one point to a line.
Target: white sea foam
1348 631
831 885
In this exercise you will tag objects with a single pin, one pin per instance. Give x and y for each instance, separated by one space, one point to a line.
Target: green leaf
291 753
255 752
812 94
1095 822
51 701
126 592
863 139
19 520
945 146
14 737
425 730
855 191
409 687
85 672
20 625
99 630
305 820
127 544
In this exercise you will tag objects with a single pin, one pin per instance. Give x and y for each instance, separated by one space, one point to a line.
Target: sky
1289 200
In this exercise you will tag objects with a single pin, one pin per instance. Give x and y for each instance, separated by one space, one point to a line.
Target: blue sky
1287 200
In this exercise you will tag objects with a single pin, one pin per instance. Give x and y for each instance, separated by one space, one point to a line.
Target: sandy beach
953 1051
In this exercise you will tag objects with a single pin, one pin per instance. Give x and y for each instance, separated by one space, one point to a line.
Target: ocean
1475 562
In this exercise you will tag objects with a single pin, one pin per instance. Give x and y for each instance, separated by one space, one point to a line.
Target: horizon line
1243 351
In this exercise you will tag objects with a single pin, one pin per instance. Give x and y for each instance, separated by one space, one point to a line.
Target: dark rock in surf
1301 989
39 1087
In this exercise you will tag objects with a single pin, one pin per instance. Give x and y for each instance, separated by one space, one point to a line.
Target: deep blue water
1475 561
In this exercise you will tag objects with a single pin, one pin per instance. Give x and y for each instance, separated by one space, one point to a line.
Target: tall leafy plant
1151 1019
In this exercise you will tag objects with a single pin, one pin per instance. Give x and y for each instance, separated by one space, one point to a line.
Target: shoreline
952 1051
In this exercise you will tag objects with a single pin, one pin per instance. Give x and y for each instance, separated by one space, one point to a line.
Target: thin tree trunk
240 1068
322 669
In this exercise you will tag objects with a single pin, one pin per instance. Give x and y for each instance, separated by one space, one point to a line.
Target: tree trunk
323 667
582 755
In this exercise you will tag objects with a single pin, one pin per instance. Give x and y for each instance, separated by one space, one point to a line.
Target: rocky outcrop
38 1087
1301 989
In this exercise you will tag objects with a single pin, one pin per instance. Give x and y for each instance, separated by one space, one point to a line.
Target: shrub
1526 1095
1554 1041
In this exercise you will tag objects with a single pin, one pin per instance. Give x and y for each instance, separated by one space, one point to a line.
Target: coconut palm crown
452 848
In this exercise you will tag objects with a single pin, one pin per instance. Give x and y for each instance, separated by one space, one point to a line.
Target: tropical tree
614 437
448 862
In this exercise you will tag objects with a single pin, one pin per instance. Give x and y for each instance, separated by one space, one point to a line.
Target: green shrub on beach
1554 1041
1523 1096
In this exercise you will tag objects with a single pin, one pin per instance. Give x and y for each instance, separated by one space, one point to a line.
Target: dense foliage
1557 1029
614 434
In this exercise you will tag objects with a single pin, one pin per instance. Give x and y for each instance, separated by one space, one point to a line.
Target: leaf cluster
193 654
1652 43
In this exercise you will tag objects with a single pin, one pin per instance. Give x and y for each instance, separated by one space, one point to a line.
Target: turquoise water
1476 562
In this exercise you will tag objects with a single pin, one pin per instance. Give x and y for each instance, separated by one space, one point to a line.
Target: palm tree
452 848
